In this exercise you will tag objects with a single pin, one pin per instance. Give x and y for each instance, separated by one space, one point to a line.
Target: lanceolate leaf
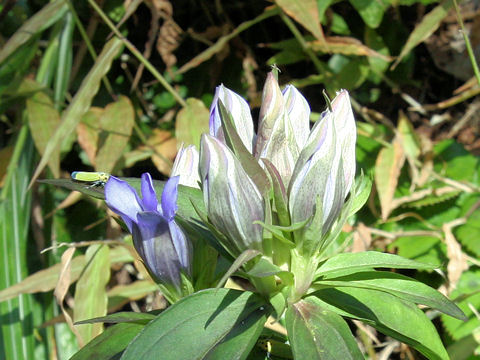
121 317
50 14
90 293
200 325
110 344
318 333
116 133
17 315
191 122
306 13
388 314
387 170
43 119
425 28
401 286
368 260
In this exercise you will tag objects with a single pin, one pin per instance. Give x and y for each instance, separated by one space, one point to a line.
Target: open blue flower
158 239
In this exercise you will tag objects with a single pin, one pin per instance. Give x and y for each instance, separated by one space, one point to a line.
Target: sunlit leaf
192 121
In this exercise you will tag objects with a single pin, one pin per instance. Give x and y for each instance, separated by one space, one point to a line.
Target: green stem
89 45
306 48
137 54
471 55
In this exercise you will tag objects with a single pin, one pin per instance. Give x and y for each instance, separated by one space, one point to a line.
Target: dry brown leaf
362 238
88 130
347 46
61 290
306 13
165 146
170 33
388 166
457 260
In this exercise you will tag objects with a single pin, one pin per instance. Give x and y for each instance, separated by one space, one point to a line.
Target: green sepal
360 192
241 260
264 268
279 193
279 304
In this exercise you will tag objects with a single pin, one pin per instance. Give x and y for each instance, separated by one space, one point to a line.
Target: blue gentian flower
160 242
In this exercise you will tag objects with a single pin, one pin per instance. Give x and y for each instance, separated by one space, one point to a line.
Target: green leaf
425 28
110 344
468 293
401 286
17 315
367 260
217 320
43 19
388 314
120 317
468 234
361 192
82 100
279 193
264 268
371 11
116 134
191 122
64 61
465 347
43 120
425 249
306 13
90 293
318 333
244 257
452 160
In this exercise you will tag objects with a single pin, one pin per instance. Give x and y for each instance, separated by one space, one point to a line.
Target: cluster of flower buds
289 182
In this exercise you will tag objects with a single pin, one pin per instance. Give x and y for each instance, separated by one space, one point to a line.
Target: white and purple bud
240 111
326 165
186 166
232 199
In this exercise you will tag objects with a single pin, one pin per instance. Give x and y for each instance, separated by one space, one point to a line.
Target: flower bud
186 166
240 112
232 200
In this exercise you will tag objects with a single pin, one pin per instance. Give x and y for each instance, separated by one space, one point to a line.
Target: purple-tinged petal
123 199
169 198
347 134
318 160
232 199
272 109
182 246
153 242
298 112
149 196
240 111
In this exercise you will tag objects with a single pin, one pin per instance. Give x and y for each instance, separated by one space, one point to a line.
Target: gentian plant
273 205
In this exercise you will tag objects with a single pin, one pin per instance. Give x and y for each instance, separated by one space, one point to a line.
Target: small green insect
95 178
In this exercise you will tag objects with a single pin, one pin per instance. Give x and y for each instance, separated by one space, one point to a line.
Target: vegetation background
117 86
